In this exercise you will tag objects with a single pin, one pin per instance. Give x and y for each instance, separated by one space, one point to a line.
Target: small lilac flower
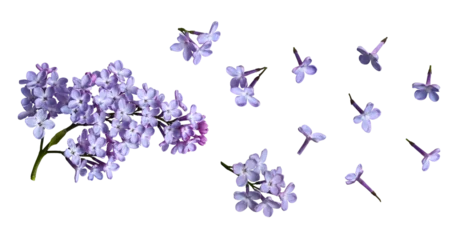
424 89
128 88
245 172
29 97
170 110
39 122
86 117
365 116
95 145
179 100
194 117
179 147
44 98
272 183
303 67
203 127
102 100
45 67
148 116
79 100
119 70
187 132
124 109
73 152
29 112
432 156
55 81
239 78
106 80
110 167
353 177
202 51
145 137
100 125
133 132
117 126
287 196
95 171
82 84
146 97
80 170
189 146
211 36
244 96
33 80
307 132
366 57
114 94
267 204
185 44
261 166
246 199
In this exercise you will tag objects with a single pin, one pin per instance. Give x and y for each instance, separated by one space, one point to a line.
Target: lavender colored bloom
246 199
366 57
432 156
146 97
133 132
303 68
29 112
202 51
55 81
239 79
106 80
95 171
33 80
194 117
148 116
119 70
245 172
44 98
185 44
86 117
424 89
170 110
82 84
73 152
80 169
189 145
179 100
353 177
213 35
124 109
145 137
267 204
39 122
79 100
110 167
95 145
287 196
29 97
272 183
114 95
100 125
187 132
369 113
45 67
128 88
102 100
203 127
244 96
261 166
117 126
307 132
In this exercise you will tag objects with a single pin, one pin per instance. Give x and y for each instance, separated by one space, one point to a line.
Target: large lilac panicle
248 175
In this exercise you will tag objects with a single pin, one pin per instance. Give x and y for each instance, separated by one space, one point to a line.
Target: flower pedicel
424 89
365 116
366 57
303 67
432 156
239 85
353 177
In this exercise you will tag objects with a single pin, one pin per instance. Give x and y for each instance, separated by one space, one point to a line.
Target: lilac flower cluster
190 48
273 184
112 131
239 85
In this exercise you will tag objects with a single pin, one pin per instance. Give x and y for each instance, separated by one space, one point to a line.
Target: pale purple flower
117 126
80 169
353 177
194 117
170 110
287 196
202 51
369 113
55 81
261 166
268 205
245 95
79 100
106 80
119 70
73 152
432 156
189 145
100 125
95 171
424 89
44 98
179 100
114 94
146 97
272 183
103 100
29 112
82 84
33 80
128 88
213 35
29 97
304 69
239 78
86 117
110 167
39 122
148 116
95 145
246 199
245 172
185 44
366 57
134 131
187 131
146 135
45 67
124 109
307 132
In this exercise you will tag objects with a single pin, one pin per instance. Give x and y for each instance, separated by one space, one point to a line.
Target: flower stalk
356 106
297 55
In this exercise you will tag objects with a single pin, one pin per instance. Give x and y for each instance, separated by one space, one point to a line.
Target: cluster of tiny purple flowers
273 184
47 96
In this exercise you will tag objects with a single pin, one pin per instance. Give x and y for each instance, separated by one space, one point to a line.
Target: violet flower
246 199
245 172
365 116
202 51
261 166
366 57
267 204
239 79
40 123
213 35
272 182
353 177
287 196
185 44
307 132
246 94
303 67
424 89
432 156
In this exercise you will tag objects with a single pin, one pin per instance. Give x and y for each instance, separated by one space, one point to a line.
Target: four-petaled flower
202 51
272 182
246 199
307 132
353 177
245 172
119 70
366 57
303 68
239 79
245 95
39 122
287 196
432 156
369 113
185 44
267 204
424 89
213 35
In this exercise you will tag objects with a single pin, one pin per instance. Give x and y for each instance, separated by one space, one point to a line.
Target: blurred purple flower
239 79
244 96
424 89
185 44
353 177
432 156
246 199
213 35
267 204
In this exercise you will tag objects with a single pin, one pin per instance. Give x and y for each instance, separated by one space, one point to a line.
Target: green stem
229 168
41 144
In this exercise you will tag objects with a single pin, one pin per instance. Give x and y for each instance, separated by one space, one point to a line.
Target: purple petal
214 26
305 130
241 206
48 124
300 76
364 59
196 57
241 101
318 137
268 211
420 94
310 70
362 50
425 164
39 132
241 180
366 125
253 101
375 64
306 61
215 36
368 108
351 177
420 86
232 71
375 114
433 96
187 53
358 119
253 176
30 122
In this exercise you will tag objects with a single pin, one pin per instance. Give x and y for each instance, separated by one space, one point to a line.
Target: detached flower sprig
249 175
431 157
303 67
365 116
424 89
239 85
307 132
353 177
366 57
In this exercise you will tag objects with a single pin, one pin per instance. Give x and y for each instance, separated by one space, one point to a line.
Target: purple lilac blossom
238 76
190 48
120 72
261 166
303 68
245 172
365 116
431 157
427 88
245 95
287 196
307 132
246 199
202 51
213 35
268 205
366 57
356 177
40 123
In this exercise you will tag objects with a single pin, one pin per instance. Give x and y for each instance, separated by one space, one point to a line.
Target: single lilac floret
80 170
73 152
245 95
307 132
239 79
428 157
261 166
202 51
356 177
40 123
110 167
268 205
287 196
185 44
213 35
304 68
246 199
272 183
245 172
119 70
366 57
369 113
427 88
33 80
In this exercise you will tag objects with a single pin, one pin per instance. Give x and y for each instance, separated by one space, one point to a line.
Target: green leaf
55 140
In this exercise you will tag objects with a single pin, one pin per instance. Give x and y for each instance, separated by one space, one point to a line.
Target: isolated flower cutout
303 68
366 57
309 137
427 88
